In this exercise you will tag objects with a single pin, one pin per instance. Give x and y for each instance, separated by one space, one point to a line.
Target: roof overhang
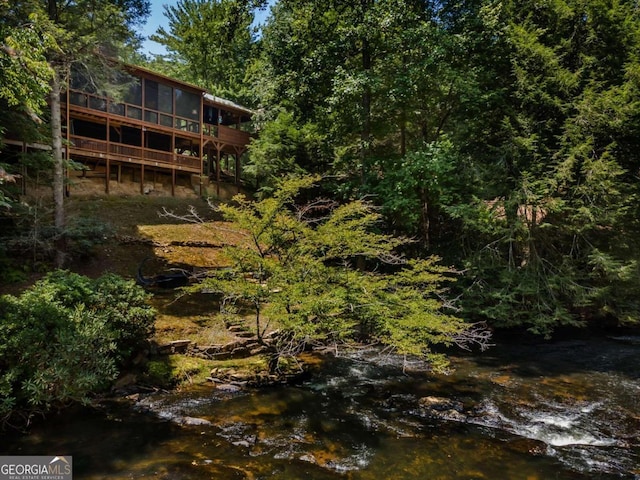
228 104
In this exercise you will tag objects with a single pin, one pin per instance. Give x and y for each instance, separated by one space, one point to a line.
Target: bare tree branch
476 334
317 205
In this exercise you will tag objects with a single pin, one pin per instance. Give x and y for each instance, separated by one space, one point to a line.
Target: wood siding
118 132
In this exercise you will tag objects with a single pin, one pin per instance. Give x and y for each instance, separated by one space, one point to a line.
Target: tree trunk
425 223
258 330
403 135
58 170
365 134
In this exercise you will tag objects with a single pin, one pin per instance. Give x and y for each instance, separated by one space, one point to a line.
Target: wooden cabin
163 130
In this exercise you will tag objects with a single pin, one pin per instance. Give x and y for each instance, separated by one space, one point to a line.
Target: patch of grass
250 364
127 213
174 370
217 233
159 373
212 236
190 369
194 317
209 332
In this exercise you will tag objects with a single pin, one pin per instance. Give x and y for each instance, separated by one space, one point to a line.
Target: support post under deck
218 171
107 176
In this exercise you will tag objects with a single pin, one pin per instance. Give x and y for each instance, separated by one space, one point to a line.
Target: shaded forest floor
137 229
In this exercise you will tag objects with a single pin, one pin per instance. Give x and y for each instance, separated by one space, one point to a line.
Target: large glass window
187 104
151 94
210 115
77 81
98 103
117 108
166 120
165 98
151 117
79 99
134 112
134 95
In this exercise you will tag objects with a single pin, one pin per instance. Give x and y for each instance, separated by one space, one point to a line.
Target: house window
166 120
151 94
165 99
77 98
134 95
117 108
187 104
151 117
133 112
98 103
210 115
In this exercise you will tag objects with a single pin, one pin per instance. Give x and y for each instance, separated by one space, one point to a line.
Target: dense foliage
501 134
560 203
24 79
209 43
65 339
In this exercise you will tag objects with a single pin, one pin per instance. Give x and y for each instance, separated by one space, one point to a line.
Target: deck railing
133 154
138 113
91 144
125 150
233 136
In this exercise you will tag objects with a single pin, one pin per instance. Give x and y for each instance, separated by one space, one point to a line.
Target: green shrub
66 338
130 317
84 233
160 372
174 370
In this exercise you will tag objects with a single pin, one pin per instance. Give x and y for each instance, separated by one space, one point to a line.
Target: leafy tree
210 44
416 189
297 271
40 43
308 48
24 75
65 339
284 148
558 238
24 71
380 82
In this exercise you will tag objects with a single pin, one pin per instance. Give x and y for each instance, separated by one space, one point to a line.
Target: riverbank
136 229
192 343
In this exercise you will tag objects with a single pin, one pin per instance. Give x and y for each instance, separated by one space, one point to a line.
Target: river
560 410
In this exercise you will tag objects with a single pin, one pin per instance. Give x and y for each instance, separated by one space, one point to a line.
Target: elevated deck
161 124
